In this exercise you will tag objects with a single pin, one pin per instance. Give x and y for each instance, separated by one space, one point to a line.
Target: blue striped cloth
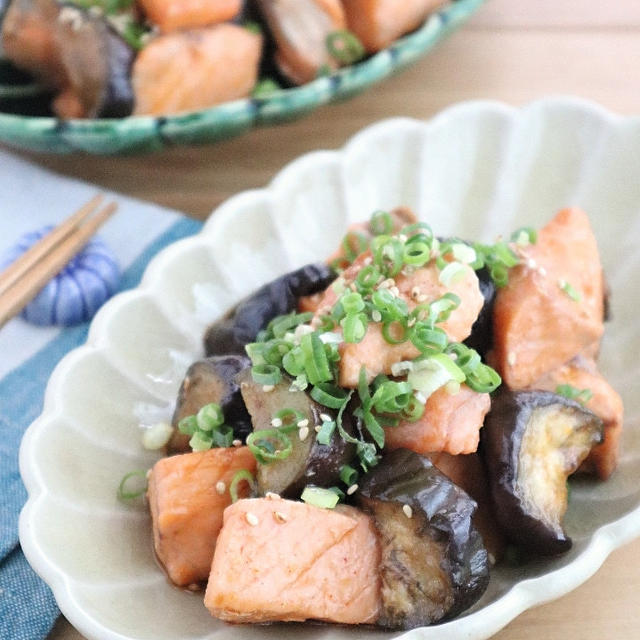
27 607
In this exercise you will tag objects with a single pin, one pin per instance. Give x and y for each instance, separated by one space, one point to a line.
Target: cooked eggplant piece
300 29
533 441
309 461
242 324
481 338
74 52
211 380
434 564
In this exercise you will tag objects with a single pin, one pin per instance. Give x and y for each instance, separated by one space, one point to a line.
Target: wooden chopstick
28 259
48 257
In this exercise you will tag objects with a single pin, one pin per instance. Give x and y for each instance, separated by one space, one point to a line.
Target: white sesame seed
420 397
302 423
422 298
408 511
352 489
251 518
303 433
367 261
491 558
221 487
237 443
415 292
542 271
412 321
325 417
268 387
279 516
531 263
270 495
376 316
395 291
402 237
276 422
317 428
353 287
511 358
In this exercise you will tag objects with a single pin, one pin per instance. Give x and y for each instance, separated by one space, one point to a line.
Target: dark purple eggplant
74 52
532 442
242 324
433 563
211 380
309 462
481 338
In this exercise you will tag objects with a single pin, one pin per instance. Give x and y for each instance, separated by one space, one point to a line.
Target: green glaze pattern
141 134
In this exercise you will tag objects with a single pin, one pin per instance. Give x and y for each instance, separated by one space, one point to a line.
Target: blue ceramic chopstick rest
78 291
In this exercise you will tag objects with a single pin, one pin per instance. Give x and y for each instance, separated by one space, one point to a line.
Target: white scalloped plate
477 170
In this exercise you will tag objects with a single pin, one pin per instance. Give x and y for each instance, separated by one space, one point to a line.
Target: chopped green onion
452 273
266 374
381 223
388 254
201 441
417 253
319 497
353 244
329 395
367 278
327 323
571 291
341 495
265 87
316 363
293 362
238 477
209 417
223 436
280 325
395 331
427 339
354 327
414 410
323 71
188 425
374 428
390 307
345 46
463 253
348 475
572 393
524 236
289 418
352 302
441 309
392 397
429 374
125 493
484 379
252 26
326 432
261 444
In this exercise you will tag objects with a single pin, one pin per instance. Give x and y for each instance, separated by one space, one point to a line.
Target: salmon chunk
284 560
423 285
187 499
606 403
222 63
170 15
377 23
553 305
451 423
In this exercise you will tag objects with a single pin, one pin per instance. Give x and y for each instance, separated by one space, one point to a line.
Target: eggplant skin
481 338
434 564
530 499
211 380
241 325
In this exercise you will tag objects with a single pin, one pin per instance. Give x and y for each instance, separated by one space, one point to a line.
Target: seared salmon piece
606 403
195 69
450 423
170 15
423 285
187 500
377 23
284 560
468 472
553 305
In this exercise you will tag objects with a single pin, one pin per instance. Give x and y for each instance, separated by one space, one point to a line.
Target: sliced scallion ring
126 493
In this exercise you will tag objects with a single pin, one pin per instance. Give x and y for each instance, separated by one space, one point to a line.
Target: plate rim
495 616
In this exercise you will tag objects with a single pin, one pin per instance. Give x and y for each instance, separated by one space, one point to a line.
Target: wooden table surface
513 50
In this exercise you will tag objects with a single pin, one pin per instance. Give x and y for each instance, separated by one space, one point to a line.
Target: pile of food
367 437
111 58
